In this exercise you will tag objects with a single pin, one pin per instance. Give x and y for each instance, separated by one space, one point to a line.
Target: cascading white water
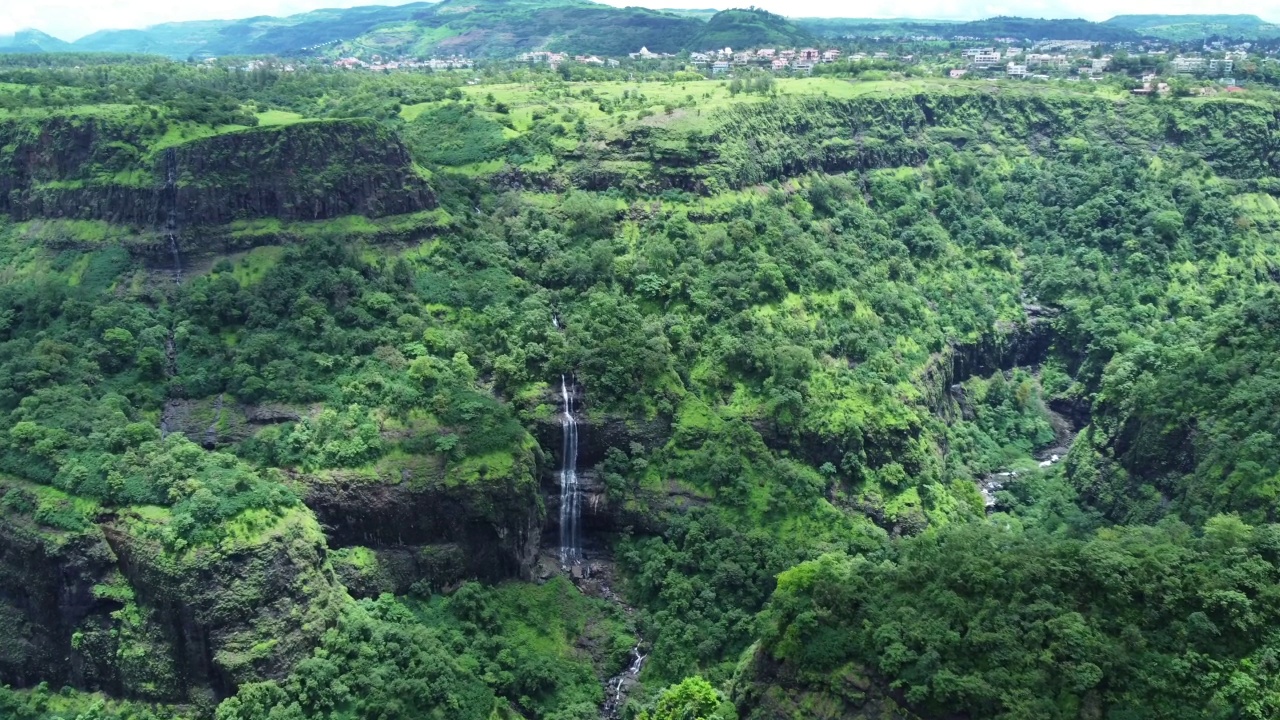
570 497
171 223
621 684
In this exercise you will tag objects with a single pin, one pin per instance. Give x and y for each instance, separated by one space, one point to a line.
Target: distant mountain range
32 41
502 28
497 28
250 36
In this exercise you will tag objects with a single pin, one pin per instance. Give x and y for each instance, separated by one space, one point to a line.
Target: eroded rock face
246 609
367 573
495 516
219 421
307 171
1024 344
46 595
107 607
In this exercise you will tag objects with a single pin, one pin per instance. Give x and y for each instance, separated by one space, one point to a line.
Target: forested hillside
354 395
1195 27
262 34
487 29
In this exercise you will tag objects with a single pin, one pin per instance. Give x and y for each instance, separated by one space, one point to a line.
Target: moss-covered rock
47 580
397 570
111 168
247 608
488 506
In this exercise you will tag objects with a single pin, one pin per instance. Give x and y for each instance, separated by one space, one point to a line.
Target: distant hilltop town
377 63
802 59
555 59
1143 67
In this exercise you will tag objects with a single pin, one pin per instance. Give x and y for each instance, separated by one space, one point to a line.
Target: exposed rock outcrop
46 594
107 606
492 514
219 421
71 167
1006 347
246 609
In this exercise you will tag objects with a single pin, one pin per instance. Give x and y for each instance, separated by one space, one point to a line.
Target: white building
1221 67
986 59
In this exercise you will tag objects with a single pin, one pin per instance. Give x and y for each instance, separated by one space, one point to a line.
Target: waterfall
570 496
171 199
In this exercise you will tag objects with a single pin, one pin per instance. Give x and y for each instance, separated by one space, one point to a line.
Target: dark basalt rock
200 622
218 421
497 524
46 595
64 167
239 612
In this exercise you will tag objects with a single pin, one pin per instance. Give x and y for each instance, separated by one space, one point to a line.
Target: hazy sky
70 19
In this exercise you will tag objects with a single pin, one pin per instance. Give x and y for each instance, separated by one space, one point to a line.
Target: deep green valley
519 394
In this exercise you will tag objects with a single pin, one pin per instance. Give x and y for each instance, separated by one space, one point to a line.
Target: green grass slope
1041 29
1017 27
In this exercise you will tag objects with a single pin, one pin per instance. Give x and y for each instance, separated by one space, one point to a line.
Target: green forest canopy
808 319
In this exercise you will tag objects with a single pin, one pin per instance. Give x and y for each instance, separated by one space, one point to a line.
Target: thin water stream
571 555
570 493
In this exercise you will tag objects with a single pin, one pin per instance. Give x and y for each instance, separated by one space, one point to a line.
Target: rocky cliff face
484 516
1004 348
307 171
46 595
757 142
246 609
93 168
107 607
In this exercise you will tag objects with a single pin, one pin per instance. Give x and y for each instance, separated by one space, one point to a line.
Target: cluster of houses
554 59
1194 63
1073 57
252 65
1032 64
377 63
800 60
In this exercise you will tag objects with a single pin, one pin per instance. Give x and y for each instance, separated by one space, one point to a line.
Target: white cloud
70 19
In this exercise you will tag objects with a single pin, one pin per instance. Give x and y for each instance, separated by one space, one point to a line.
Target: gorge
285 431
